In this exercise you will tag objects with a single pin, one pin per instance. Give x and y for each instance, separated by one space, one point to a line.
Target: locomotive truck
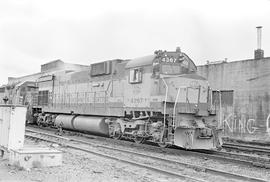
157 98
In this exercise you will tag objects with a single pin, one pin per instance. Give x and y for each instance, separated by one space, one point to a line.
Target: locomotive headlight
196 109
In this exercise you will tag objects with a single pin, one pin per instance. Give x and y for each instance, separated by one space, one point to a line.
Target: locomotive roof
148 60
141 61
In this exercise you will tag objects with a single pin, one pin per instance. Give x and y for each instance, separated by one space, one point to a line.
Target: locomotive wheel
39 121
163 145
139 140
117 135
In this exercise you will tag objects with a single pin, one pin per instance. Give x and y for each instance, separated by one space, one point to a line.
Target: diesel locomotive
157 98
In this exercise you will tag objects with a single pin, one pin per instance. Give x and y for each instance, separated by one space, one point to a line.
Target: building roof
231 62
54 61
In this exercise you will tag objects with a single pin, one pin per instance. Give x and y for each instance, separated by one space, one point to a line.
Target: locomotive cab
166 89
188 102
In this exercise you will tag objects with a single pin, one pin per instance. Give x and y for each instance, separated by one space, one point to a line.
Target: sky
33 32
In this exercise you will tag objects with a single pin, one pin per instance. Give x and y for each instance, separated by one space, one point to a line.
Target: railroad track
247 148
238 158
63 142
107 151
247 142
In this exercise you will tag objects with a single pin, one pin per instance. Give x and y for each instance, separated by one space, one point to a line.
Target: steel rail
184 164
249 148
247 142
244 159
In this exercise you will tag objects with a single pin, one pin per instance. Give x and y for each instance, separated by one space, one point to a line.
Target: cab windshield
171 69
170 63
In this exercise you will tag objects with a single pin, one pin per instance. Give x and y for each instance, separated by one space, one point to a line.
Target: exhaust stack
259 53
259 37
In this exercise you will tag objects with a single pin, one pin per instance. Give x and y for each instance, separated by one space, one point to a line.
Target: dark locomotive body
159 98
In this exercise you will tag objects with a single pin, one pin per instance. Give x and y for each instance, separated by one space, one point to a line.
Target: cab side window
135 75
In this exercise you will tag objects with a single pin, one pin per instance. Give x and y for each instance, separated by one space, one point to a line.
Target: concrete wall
249 115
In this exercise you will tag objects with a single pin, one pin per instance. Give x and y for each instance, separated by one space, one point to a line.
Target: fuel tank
91 124
66 121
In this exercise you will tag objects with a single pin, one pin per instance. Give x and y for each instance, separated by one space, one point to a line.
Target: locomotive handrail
165 100
165 105
175 103
107 89
59 96
187 101
220 108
